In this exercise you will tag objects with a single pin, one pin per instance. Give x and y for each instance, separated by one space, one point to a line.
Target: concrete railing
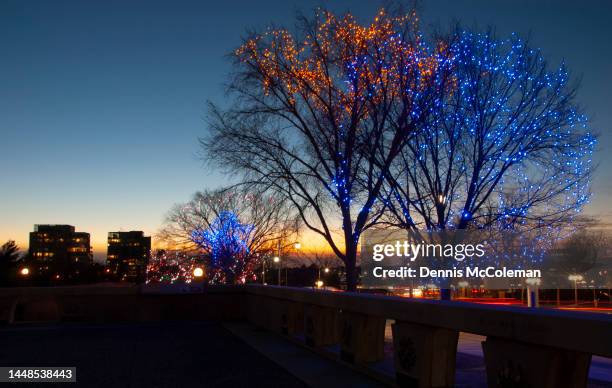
109 304
523 347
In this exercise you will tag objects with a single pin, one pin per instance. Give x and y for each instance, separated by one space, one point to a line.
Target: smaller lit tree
227 242
233 230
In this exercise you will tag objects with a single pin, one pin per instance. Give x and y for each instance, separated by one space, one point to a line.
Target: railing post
517 364
362 337
424 356
320 325
256 310
292 318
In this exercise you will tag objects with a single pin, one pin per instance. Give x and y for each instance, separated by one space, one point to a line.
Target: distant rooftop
53 228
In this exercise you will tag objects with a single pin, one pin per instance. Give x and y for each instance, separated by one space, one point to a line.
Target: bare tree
319 258
233 228
505 147
580 252
319 117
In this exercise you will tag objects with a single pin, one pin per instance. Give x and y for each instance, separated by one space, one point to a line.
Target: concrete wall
112 304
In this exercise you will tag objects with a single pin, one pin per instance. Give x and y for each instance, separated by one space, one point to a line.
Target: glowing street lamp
25 271
198 272
276 260
326 270
575 278
319 283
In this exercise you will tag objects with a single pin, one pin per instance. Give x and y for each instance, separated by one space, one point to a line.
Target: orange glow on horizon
310 242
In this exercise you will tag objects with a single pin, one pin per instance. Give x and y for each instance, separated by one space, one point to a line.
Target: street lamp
463 285
276 260
326 270
532 291
263 269
25 271
198 272
575 278
297 245
319 283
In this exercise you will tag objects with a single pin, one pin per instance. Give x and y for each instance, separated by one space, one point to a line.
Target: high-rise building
60 250
128 255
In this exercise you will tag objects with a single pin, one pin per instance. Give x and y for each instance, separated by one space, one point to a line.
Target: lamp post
463 285
297 245
532 292
198 272
276 260
575 278
263 271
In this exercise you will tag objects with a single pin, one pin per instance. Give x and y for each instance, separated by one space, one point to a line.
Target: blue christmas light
226 241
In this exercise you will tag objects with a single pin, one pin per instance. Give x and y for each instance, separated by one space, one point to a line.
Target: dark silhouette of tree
580 252
9 252
319 116
9 257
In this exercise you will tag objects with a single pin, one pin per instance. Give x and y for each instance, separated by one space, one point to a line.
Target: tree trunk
351 270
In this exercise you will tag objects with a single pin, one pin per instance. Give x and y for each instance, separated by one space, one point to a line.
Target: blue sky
102 102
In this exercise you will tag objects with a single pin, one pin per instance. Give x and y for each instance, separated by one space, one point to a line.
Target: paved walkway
168 354
190 354
310 367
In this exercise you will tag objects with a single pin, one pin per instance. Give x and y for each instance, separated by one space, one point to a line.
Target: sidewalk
167 354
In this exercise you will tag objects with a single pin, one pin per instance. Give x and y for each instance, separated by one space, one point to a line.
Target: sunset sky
102 103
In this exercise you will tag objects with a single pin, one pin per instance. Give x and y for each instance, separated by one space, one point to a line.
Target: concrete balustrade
528 347
362 337
292 318
424 356
518 364
320 325
524 347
